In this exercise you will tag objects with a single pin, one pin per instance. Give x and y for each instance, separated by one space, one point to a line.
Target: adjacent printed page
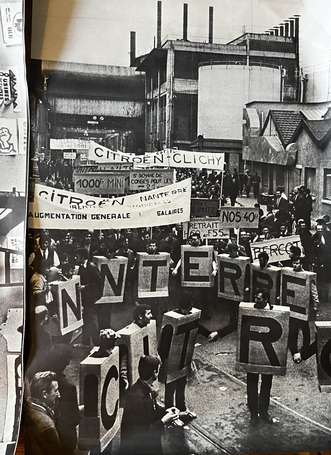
179 244
13 182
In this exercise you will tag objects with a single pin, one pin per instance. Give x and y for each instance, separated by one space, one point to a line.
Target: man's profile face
278 193
194 241
52 395
151 249
297 266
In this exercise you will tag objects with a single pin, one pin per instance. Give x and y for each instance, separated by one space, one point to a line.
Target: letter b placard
262 339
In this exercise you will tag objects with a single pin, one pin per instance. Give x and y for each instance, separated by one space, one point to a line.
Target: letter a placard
262 339
153 275
323 336
68 300
113 273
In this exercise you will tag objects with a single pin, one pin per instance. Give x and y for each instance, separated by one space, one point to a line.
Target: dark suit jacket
91 278
141 428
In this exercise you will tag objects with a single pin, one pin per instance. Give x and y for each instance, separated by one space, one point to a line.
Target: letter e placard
197 266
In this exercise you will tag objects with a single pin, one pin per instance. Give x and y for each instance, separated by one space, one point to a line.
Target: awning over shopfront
269 150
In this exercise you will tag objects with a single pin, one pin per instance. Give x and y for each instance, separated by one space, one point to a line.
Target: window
327 184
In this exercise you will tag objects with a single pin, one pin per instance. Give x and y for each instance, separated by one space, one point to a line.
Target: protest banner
323 348
164 158
101 167
12 23
68 144
68 302
267 278
100 394
143 180
196 266
177 339
101 183
239 217
232 274
69 155
113 275
201 208
61 209
262 339
153 275
277 249
207 228
137 341
296 292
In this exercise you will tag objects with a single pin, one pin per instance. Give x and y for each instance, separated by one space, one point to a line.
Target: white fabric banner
164 158
59 209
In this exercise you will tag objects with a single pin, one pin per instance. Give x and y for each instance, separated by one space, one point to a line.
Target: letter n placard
153 275
68 300
323 336
262 339
113 273
100 393
196 266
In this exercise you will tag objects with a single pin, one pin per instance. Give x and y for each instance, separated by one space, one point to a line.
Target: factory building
177 72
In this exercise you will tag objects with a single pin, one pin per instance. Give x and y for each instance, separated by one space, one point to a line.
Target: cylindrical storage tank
223 92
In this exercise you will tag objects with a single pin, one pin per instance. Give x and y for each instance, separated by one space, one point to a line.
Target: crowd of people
57 255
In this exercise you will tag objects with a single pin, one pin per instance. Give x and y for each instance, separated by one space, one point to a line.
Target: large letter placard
267 278
176 343
67 297
323 336
197 266
262 339
100 393
113 272
138 341
153 275
296 291
231 276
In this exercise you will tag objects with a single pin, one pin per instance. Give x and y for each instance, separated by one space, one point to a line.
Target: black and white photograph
13 203
178 258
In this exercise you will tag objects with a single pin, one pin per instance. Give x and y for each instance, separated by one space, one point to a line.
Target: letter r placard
197 266
323 341
262 339
153 275
231 277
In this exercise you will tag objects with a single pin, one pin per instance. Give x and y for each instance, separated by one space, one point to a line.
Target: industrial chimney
211 25
159 23
287 29
292 27
281 29
276 31
132 48
185 14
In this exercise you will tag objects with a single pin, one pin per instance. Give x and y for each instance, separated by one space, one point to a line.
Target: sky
97 31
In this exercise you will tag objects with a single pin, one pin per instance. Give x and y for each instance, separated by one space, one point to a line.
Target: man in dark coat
143 418
91 291
41 436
